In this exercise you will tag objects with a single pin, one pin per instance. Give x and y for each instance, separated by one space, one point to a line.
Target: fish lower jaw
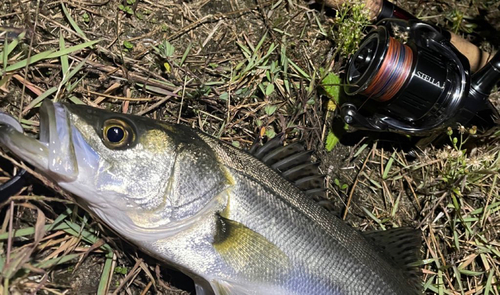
26 148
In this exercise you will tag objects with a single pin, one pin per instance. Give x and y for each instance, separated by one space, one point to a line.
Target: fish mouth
53 153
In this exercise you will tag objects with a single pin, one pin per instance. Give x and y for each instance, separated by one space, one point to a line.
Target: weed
342 186
126 8
350 22
459 22
331 141
128 45
86 17
165 49
245 74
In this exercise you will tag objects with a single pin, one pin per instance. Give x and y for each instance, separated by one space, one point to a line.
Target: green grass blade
35 58
428 283
283 57
457 272
246 52
360 150
49 54
76 100
107 272
2 261
75 230
298 69
64 58
72 49
71 86
186 52
72 22
58 220
396 206
261 42
8 49
374 218
57 260
73 71
35 102
31 230
388 166
4 55
470 273
489 287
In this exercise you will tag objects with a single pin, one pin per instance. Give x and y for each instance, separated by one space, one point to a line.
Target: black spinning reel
408 78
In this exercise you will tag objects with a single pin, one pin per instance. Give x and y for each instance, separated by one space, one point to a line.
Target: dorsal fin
401 248
258 150
294 163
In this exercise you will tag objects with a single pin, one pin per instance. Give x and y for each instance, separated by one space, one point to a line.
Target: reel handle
477 58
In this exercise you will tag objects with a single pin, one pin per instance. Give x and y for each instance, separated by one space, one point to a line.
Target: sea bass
211 210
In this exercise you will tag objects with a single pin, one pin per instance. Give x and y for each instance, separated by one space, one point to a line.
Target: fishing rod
408 78
382 9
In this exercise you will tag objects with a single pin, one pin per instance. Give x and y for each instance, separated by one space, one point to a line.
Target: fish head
142 177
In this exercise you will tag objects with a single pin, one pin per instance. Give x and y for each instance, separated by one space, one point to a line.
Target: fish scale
215 212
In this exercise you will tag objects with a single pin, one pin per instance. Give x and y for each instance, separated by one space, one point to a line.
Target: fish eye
117 134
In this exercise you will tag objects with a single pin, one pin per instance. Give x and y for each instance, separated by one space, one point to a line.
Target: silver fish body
207 208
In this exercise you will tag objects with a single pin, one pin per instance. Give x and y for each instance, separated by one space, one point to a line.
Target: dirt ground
243 71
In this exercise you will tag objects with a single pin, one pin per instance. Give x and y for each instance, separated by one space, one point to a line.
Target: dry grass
240 70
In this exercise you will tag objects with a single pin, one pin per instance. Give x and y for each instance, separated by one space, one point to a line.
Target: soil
213 34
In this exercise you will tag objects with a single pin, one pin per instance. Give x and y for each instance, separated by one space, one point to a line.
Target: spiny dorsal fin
258 150
401 248
293 161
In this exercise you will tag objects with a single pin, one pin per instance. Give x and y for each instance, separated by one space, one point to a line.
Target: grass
241 71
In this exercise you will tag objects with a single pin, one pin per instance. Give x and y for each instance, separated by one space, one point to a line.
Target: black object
13 185
436 89
390 10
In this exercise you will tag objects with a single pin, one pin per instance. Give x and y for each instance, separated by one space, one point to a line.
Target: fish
215 212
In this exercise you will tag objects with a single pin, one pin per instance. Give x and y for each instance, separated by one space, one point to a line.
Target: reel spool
416 87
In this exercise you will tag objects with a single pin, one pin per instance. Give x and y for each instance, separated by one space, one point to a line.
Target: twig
351 193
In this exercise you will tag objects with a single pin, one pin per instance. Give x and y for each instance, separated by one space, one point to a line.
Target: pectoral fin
249 253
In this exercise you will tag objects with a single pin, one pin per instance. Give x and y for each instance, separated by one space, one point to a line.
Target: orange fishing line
393 72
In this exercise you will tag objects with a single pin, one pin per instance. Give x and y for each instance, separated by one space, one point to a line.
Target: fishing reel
408 78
